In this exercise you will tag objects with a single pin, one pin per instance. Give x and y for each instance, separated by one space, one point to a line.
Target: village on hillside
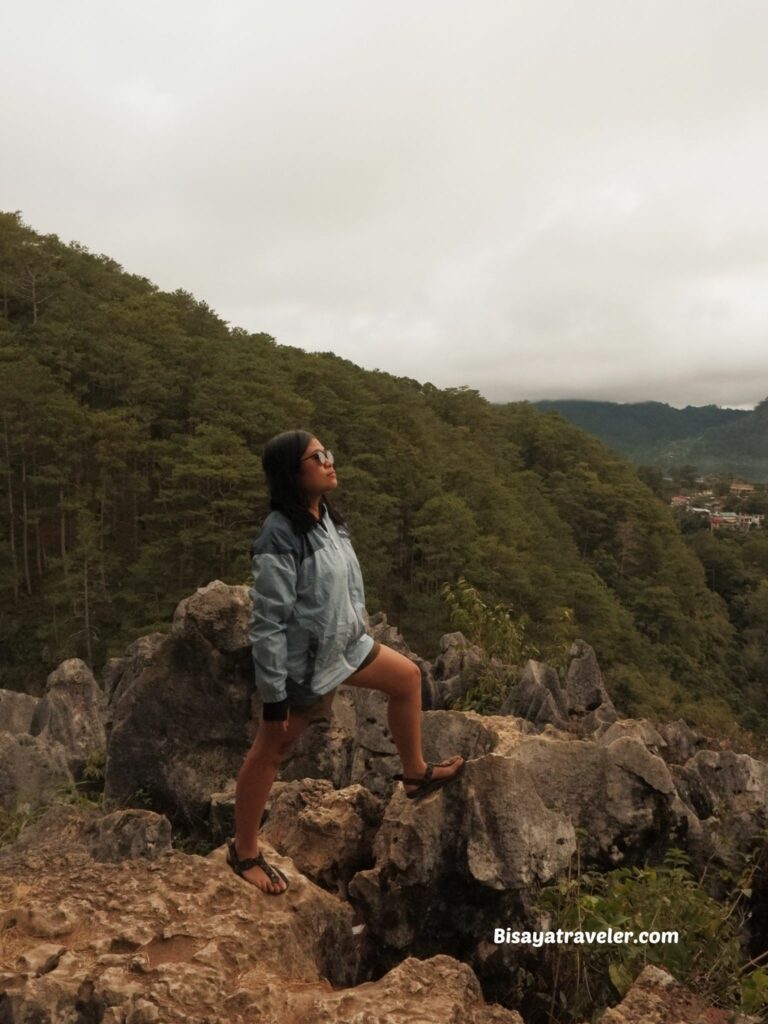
730 504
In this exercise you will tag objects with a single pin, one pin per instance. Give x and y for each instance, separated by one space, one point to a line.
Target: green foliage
707 956
504 641
492 627
95 765
131 426
14 821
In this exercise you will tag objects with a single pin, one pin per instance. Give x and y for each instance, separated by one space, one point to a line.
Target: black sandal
427 784
240 866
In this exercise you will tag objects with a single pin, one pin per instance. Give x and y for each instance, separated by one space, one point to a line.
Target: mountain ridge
714 439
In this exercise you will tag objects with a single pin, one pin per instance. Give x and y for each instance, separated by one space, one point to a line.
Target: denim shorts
320 707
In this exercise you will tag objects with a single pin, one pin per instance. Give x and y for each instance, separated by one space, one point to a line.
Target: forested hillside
132 426
712 439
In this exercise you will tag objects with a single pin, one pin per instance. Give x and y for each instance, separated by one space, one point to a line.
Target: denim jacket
307 626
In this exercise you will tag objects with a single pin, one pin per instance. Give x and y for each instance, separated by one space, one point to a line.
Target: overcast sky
549 199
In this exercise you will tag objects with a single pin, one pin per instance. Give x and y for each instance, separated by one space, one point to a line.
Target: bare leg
254 783
398 677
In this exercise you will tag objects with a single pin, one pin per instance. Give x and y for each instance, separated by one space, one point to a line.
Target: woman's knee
409 679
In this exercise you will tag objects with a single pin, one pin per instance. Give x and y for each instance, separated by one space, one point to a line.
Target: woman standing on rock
308 635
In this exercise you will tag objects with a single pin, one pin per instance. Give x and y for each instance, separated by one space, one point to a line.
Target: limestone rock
69 713
456 667
218 612
681 742
729 792
620 794
32 769
16 711
328 833
126 835
430 991
180 729
639 729
584 685
440 859
538 696
657 998
119 671
182 933
580 702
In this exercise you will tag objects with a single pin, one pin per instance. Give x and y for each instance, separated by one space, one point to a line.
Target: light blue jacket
307 627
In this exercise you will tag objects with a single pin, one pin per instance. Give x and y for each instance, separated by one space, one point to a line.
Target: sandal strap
240 866
426 777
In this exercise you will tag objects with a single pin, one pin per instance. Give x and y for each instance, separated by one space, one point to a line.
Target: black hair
281 462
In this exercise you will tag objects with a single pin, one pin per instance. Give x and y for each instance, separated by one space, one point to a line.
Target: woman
308 635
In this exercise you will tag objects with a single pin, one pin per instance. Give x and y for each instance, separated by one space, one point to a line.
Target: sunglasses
322 456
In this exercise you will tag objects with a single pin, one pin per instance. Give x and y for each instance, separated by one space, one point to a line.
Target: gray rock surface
32 770
16 711
69 713
219 613
126 835
456 668
180 728
466 856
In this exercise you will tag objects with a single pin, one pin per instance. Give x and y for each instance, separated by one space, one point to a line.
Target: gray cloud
536 200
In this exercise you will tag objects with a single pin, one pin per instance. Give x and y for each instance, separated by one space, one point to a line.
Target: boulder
456 668
218 612
579 702
465 857
118 672
126 835
180 729
638 729
621 795
69 713
681 742
32 770
16 711
328 833
657 998
538 697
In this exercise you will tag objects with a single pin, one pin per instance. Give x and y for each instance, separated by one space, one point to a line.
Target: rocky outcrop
457 668
657 998
579 703
327 832
118 672
180 726
70 714
101 913
620 794
218 613
180 938
466 857
32 770
16 711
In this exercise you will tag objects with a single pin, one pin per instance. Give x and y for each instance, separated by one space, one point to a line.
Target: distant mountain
714 440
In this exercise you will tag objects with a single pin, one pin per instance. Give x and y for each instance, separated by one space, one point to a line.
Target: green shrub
503 638
708 956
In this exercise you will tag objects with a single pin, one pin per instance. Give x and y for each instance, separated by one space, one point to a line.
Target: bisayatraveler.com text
608 937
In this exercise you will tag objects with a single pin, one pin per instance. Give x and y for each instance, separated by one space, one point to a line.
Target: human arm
273 596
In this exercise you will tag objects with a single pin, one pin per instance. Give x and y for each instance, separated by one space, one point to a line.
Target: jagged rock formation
657 998
99 911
